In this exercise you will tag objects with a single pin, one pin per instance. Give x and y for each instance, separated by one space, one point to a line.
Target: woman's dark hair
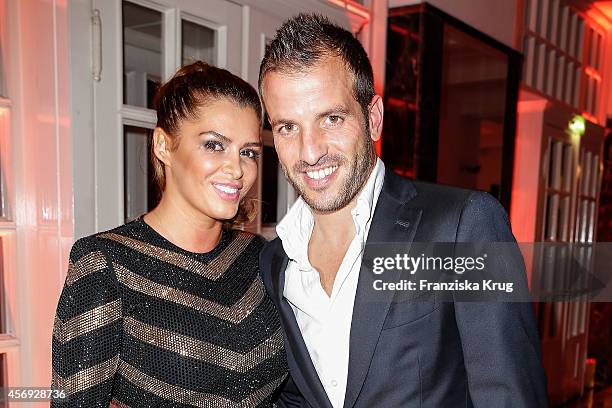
184 96
307 39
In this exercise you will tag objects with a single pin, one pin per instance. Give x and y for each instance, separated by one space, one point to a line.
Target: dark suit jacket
438 354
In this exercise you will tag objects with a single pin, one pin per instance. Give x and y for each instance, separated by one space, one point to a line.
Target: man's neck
330 239
334 224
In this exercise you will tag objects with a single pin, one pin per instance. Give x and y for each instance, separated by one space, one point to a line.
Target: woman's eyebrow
228 140
217 135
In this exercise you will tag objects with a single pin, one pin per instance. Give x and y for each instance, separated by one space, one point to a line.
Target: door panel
142 43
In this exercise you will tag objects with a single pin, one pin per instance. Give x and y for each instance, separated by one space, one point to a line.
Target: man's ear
161 146
375 113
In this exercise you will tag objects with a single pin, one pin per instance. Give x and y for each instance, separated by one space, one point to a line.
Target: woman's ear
161 146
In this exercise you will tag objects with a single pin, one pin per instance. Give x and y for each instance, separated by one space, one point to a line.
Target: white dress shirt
325 321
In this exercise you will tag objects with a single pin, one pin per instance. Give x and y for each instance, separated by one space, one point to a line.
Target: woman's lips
228 192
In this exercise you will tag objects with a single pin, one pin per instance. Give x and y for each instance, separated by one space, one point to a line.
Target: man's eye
251 154
334 120
213 145
288 128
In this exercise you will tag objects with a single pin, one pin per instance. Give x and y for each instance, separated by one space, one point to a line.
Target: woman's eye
251 154
213 145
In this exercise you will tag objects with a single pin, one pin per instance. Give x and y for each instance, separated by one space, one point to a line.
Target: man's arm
290 396
500 342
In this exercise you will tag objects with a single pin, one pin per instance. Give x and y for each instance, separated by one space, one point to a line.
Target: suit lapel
301 367
394 221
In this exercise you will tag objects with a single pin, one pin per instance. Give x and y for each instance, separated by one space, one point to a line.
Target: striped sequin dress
144 323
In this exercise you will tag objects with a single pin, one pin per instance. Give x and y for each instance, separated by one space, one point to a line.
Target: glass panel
472 110
3 379
552 65
2 86
544 18
573 34
577 73
567 167
530 62
560 77
554 22
199 43
594 100
534 13
541 67
554 177
552 217
563 28
586 173
3 316
5 128
565 208
594 176
142 54
580 40
402 73
569 83
591 221
140 190
591 42
598 51
584 224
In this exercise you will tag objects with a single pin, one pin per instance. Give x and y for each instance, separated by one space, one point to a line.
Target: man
345 350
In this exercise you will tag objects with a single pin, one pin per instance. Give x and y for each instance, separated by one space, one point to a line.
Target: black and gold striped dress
144 323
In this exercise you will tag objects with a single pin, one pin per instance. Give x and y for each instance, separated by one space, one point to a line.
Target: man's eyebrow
277 121
338 109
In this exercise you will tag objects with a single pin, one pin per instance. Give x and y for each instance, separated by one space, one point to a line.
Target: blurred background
513 97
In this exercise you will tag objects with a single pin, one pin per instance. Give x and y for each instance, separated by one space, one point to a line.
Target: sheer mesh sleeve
87 329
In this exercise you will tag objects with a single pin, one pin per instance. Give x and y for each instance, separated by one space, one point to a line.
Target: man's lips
320 177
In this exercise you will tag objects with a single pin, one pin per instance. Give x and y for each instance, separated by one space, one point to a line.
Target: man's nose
313 146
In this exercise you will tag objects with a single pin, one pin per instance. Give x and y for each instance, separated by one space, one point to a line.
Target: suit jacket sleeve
289 395
500 340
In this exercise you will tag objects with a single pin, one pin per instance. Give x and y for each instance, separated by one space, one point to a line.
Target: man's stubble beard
360 167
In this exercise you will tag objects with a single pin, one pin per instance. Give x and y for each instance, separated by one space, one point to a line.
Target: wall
495 18
39 85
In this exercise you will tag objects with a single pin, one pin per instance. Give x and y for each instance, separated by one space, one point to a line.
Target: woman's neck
186 229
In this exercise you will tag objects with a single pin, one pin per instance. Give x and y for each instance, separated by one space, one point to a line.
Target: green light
577 125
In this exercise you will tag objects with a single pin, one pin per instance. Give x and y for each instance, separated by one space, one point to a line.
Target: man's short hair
306 39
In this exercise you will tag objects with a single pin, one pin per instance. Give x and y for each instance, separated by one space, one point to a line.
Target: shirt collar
295 228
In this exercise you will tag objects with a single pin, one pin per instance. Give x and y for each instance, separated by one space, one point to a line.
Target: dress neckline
156 237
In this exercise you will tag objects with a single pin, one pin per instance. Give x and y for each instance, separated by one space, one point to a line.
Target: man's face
320 133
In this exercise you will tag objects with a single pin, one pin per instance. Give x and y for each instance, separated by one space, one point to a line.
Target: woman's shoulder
98 241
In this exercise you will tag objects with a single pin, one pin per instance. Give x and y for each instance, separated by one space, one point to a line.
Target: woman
169 310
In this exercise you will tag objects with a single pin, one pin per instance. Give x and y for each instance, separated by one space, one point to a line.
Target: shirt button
334 383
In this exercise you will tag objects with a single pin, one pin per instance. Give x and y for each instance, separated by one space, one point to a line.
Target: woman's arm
87 329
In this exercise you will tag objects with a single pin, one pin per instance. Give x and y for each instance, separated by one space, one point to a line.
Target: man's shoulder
268 252
433 192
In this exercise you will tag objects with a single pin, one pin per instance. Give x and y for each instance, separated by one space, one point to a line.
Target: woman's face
215 163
